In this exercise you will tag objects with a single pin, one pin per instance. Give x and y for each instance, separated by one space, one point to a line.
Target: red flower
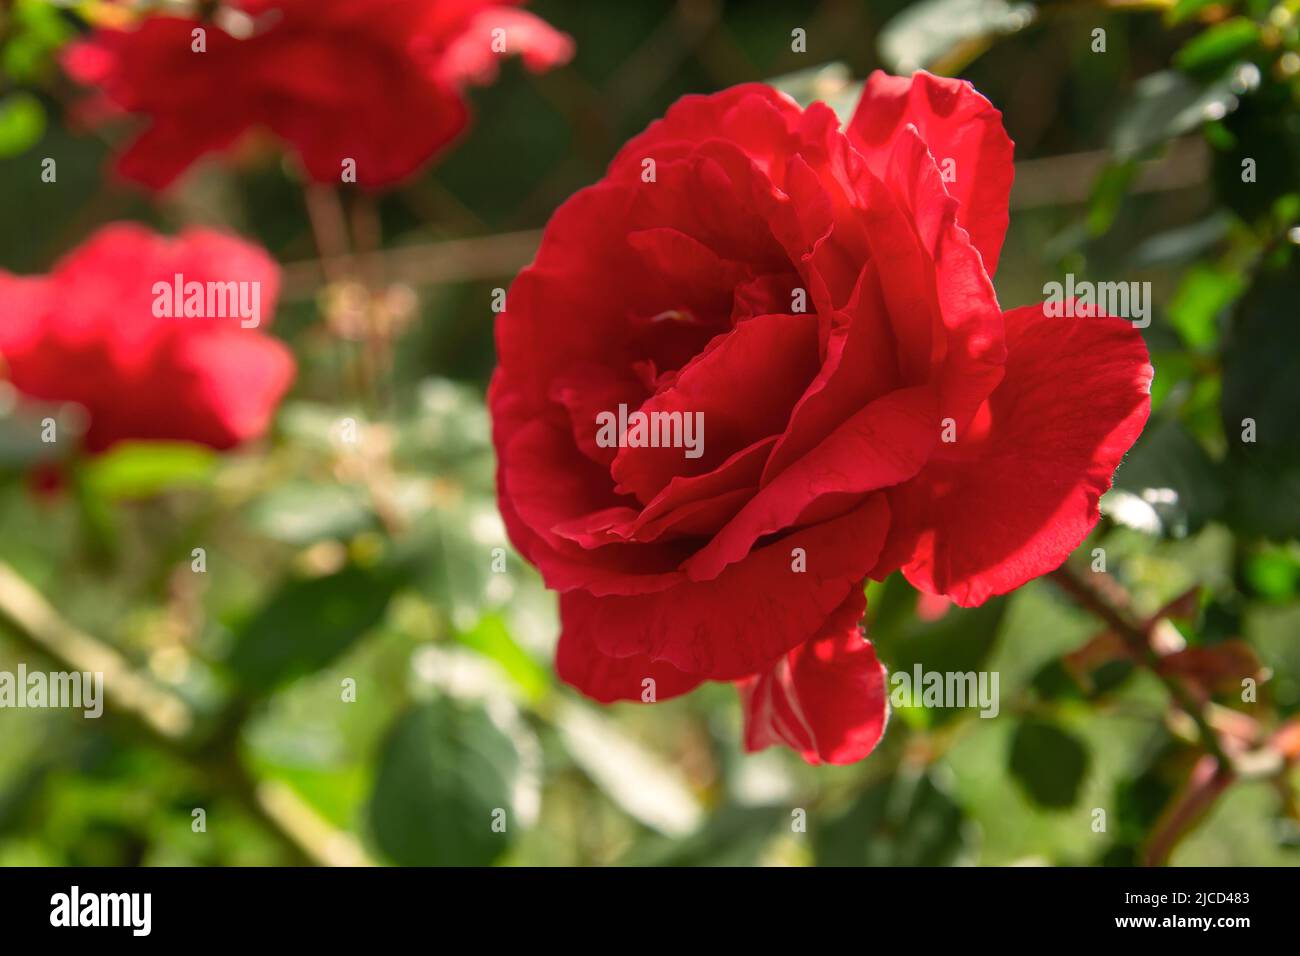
820 299
374 81
108 329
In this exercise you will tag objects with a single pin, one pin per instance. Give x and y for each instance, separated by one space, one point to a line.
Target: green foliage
308 622
1260 385
446 774
1050 763
138 470
943 35
904 820
353 646
22 123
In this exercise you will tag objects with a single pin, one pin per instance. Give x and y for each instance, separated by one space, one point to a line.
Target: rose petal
753 612
472 56
957 124
826 698
1012 498
582 664
885 443
742 389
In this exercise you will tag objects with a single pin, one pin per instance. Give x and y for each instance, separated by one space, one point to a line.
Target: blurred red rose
103 329
378 82
820 298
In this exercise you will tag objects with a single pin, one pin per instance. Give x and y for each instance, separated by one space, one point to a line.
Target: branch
432 263
163 714
169 721
1205 785
1107 598
1214 771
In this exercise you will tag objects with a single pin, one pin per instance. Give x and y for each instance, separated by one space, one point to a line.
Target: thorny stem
367 238
1214 772
330 229
359 260
1107 598
169 722
1207 783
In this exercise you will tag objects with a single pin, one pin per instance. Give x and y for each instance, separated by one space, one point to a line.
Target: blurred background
373 562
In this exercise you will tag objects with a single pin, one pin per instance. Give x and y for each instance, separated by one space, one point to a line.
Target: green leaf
1271 630
309 622
1186 9
900 820
1141 797
447 431
1261 386
37 30
1048 762
732 836
1165 105
1108 194
22 123
491 638
1218 46
948 32
134 470
446 774
1274 572
451 551
638 780
1257 154
1183 243
301 513
1202 297
959 641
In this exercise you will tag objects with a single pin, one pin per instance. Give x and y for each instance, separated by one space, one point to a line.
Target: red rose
901 419
374 81
157 338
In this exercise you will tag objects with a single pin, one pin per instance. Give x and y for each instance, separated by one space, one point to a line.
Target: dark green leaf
1261 386
309 622
897 821
1048 762
733 836
447 772
1257 159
